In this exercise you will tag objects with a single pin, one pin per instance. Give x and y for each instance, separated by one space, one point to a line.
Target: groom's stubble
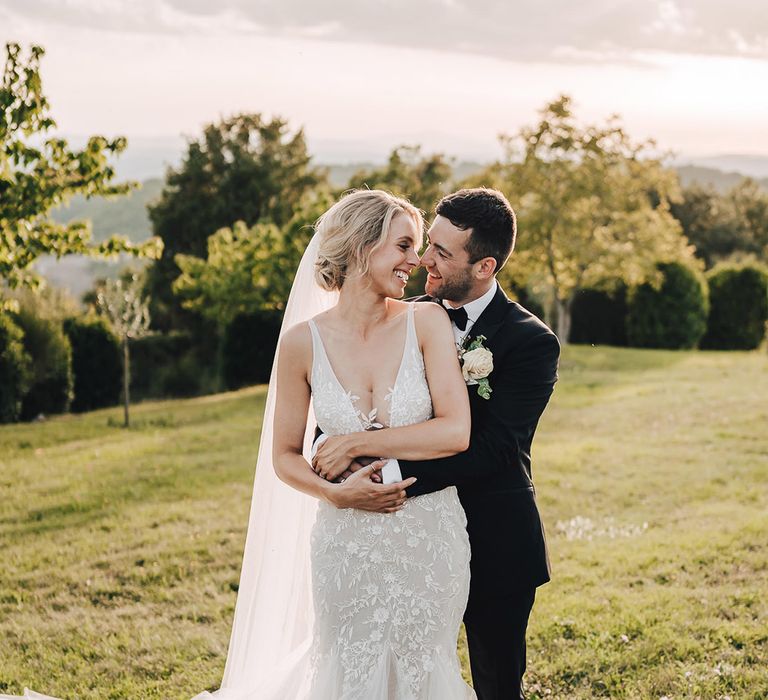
454 288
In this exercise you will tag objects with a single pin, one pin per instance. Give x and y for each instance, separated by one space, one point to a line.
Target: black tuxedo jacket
509 551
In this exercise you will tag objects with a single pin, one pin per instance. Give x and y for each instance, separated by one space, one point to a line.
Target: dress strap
318 349
410 333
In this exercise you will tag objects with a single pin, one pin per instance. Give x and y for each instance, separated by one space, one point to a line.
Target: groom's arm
521 389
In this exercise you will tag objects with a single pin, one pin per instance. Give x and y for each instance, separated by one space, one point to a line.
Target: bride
348 590
389 587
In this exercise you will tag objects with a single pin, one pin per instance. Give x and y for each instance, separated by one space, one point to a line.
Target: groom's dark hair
491 218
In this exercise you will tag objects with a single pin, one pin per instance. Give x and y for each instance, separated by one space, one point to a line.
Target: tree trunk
126 382
563 307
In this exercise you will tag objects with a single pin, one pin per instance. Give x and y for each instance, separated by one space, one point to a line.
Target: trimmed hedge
738 313
97 363
249 348
169 365
599 317
15 369
672 317
51 385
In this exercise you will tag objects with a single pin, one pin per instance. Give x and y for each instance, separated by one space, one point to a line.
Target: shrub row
726 310
47 367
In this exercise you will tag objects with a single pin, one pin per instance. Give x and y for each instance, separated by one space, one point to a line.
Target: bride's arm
444 435
291 406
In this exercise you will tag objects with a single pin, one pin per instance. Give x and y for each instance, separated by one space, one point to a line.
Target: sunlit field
121 548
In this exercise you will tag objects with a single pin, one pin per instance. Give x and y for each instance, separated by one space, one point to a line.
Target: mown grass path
120 549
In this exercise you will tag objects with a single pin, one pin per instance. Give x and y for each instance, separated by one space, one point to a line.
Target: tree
721 226
749 207
592 206
245 169
423 180
127 311
246 270
38 173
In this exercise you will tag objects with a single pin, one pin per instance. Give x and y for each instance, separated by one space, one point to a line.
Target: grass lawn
120 549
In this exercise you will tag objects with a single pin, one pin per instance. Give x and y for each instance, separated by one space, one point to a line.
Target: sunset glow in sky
362 77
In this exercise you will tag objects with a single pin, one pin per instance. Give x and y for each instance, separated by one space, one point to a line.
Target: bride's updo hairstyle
352 229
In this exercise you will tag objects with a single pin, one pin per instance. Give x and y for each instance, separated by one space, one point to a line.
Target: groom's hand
358 491
361 462
333 457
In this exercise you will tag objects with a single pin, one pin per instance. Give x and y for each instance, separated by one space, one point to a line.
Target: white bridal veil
273 621
273 616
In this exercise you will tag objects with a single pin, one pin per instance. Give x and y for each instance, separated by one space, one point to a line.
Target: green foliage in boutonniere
476 364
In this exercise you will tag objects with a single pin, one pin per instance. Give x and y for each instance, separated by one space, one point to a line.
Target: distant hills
128 215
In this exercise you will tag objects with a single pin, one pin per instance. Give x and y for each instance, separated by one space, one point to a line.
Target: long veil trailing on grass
274 616
271 633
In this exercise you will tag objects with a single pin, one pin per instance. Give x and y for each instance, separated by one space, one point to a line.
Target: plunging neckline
351 398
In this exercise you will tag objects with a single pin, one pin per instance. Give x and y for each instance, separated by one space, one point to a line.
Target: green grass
120 549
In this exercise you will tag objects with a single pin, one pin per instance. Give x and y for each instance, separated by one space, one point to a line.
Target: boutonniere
476 364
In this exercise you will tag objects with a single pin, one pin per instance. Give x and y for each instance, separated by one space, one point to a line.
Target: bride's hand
333 457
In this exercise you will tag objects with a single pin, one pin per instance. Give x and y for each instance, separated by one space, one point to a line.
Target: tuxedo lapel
491 319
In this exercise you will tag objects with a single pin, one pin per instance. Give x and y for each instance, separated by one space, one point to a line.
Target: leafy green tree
748 203
592 205
38 173
423 180
247 169
247 269
721 226
123 304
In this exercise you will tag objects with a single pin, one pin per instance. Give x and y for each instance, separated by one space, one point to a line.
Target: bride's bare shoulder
296 343
429 315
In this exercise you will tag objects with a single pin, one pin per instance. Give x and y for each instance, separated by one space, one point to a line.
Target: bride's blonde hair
352 229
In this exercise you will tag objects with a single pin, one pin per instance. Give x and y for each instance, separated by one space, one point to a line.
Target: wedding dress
389 589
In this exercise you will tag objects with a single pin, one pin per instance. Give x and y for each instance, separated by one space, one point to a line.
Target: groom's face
449 272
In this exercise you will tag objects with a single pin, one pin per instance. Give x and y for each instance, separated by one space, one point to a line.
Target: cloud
525 30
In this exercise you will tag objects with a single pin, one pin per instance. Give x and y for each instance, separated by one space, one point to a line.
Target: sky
362 77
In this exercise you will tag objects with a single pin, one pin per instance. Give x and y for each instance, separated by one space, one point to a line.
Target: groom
469 242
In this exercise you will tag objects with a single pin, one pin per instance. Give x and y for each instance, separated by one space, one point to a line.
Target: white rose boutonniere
476 364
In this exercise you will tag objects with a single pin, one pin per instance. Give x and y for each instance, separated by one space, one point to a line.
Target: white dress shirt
390 472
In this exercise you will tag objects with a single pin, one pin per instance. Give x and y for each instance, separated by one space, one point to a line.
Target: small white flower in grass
624 638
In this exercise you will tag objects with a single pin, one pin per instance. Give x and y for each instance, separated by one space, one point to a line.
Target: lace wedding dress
389 589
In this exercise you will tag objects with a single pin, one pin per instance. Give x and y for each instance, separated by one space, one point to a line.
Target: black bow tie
458 316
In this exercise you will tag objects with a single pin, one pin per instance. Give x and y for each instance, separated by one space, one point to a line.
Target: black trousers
496 639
